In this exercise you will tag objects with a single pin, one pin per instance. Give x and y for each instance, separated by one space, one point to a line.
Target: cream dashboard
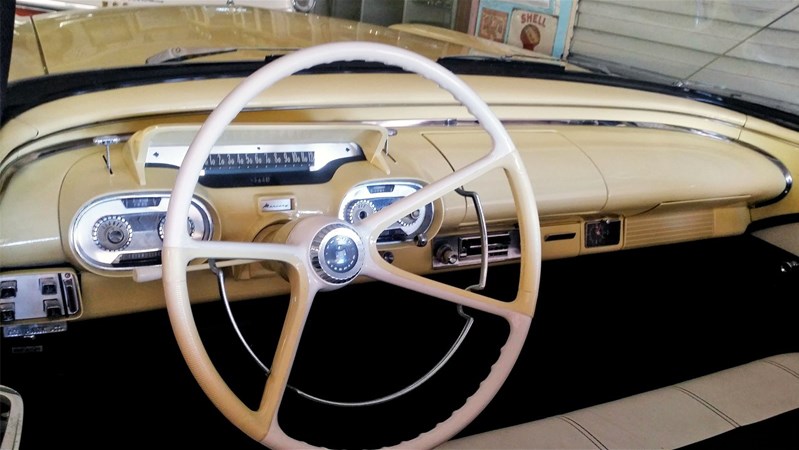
599 188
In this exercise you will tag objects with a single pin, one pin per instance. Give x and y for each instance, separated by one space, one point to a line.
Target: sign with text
537 25
532 30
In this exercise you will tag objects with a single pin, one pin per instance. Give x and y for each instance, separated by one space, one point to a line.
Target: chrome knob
447 255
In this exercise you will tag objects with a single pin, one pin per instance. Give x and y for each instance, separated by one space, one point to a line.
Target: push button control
7 312
8 289
47 286
37 301
52 308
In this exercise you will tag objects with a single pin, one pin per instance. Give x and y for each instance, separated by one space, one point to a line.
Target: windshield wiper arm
175 54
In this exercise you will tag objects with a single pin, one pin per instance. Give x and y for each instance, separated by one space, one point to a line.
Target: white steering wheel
313 236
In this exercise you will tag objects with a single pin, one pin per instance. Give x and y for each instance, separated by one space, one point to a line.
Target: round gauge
162 223
112 233
360 210
411 218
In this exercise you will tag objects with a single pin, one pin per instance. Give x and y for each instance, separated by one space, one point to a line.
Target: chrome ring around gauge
336 253
112 233
360 210
410 219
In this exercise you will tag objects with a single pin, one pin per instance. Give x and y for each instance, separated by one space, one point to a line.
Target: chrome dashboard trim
9 165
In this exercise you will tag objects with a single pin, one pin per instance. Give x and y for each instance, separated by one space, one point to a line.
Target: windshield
746 49
737 50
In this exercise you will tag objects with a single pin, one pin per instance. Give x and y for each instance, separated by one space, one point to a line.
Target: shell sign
532 31
537 25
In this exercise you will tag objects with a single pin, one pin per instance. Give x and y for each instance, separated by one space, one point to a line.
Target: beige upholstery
669 417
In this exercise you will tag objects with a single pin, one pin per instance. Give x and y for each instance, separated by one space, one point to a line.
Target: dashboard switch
33 298
8 289
7 312
71 299
388 257
47 286
52 308
447 255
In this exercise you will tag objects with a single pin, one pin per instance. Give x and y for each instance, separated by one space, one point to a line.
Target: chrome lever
107 141
483 238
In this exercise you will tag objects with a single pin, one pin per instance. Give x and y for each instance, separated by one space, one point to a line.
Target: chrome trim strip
7 169
785 172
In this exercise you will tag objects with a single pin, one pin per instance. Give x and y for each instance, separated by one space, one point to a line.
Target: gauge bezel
381 193
145 246
111 246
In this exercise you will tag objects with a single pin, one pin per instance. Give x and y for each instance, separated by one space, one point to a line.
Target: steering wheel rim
178 249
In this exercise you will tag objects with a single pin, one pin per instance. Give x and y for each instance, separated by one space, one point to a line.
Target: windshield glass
748 49
741 50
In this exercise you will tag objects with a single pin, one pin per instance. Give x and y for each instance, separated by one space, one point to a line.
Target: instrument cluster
125 231
366 199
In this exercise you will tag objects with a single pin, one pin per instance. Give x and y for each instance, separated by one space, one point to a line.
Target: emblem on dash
275 204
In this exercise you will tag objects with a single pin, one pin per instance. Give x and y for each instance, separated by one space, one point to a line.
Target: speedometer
263 164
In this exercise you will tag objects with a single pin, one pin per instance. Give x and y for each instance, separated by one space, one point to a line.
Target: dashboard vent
668 228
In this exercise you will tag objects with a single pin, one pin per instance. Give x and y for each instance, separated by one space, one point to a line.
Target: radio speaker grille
668 228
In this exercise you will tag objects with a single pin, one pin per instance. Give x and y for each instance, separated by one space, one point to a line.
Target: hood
85 40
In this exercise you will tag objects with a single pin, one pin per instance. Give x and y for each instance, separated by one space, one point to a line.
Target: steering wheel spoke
195 249
299 306
388 273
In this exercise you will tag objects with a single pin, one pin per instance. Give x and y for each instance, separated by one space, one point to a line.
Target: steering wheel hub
337 253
